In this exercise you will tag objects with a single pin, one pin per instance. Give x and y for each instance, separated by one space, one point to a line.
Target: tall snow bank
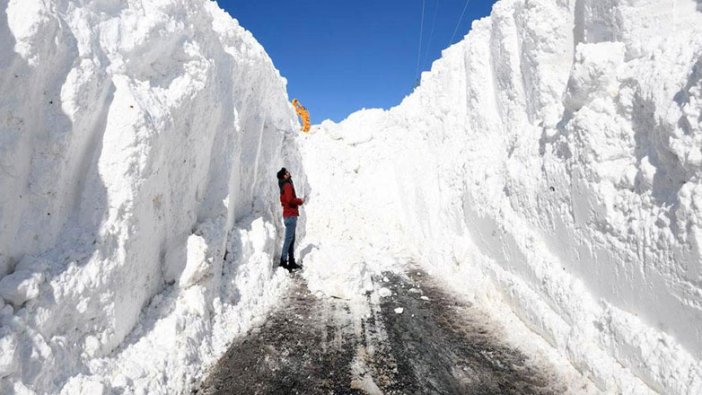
552 159
138 213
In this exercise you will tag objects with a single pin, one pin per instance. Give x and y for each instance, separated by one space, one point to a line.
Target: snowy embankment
551 161
138 206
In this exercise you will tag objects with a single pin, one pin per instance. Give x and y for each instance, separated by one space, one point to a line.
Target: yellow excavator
303 113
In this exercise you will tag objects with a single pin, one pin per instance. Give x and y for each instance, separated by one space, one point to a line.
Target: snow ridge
550 161
138 211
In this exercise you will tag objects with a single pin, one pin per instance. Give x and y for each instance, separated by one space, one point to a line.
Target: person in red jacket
290 203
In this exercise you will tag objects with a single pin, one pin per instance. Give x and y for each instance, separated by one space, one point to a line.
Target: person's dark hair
281 179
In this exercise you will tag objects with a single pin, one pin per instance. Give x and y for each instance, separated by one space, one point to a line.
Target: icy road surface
414 338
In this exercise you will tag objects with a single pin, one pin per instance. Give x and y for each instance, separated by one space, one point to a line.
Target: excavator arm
303 113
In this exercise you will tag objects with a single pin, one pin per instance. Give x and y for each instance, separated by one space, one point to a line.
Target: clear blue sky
340 56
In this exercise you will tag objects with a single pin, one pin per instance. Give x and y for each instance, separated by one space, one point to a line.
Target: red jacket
290 201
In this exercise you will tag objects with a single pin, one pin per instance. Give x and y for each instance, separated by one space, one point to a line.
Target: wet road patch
410 337
444 346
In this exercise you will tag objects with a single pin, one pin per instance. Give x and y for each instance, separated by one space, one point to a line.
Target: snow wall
551 160
138 146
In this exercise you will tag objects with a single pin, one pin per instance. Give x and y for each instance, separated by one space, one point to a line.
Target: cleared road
434 345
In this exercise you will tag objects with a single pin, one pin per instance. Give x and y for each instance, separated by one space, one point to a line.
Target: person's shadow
308 248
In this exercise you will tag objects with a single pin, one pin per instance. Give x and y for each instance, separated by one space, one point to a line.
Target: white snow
138 146
384 292
547 169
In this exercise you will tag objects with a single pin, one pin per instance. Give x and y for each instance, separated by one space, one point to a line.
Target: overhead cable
459 22
421 31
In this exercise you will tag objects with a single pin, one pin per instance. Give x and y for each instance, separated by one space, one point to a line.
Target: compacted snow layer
552 161
138 206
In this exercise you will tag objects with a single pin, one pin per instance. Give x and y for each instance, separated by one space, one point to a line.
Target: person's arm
289 198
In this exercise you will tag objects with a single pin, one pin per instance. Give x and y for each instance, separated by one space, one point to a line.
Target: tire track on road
435 345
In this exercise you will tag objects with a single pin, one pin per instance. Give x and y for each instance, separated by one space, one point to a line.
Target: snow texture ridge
138 213
551 160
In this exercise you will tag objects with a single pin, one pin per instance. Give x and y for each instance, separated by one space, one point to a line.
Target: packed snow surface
138 211
550 162
548 167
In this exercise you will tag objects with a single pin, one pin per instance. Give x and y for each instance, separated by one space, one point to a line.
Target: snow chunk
8 354
384 292
21 286
81 385
198 263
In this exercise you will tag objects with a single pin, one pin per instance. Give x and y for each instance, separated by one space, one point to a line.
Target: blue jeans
289 243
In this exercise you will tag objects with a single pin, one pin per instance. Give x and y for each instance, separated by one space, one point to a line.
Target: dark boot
293 265
284 264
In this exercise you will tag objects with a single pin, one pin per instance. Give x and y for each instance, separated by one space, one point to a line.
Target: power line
431 32
421 32
459 22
